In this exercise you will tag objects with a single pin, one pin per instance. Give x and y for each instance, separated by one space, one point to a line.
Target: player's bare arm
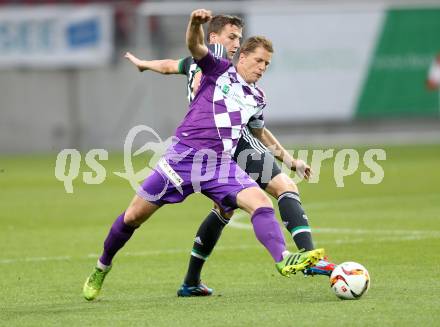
165 66
195 35
271 142
196 82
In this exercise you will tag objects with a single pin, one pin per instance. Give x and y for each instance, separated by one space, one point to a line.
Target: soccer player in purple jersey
205 139
224 34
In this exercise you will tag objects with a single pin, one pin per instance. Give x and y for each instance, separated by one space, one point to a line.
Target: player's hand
201 16
136 61
302 169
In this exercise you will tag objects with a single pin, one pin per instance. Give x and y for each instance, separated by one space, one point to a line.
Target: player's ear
212 37
241 57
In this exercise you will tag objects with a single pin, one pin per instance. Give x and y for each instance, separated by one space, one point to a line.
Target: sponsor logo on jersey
225 89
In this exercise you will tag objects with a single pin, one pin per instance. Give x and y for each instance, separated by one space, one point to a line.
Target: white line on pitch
235 223
395 238
35 259
367 200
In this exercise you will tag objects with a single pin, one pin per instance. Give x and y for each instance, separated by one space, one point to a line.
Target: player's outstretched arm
165 66
271 142
195 35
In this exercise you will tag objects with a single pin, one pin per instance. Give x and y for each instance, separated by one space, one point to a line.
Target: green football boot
294 262
93 284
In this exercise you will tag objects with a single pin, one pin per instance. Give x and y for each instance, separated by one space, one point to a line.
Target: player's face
230 37
252 66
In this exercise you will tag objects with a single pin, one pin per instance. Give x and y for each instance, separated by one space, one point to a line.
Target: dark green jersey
188 67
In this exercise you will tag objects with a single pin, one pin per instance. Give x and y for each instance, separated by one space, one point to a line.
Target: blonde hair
254 42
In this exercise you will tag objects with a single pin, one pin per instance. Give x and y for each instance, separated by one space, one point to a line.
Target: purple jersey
224 104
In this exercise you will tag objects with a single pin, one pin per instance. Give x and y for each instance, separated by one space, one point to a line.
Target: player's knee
251 199
138 212
281 184
261 200
133 217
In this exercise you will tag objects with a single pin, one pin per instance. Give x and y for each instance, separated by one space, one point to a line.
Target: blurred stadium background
359 73
343 71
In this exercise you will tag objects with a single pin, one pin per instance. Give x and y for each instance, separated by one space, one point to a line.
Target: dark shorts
256 160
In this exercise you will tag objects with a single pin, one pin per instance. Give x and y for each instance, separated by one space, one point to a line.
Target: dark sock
118 235
207 236
295 220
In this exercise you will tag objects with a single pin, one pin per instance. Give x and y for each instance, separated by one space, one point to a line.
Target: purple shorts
184 170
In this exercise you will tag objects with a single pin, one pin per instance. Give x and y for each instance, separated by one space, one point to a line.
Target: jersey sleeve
218 50
257 120
184 66
211 65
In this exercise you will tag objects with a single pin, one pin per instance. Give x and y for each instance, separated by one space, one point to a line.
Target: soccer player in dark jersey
204 142
224 34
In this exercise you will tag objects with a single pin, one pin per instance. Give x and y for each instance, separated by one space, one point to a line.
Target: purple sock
119 234
268 232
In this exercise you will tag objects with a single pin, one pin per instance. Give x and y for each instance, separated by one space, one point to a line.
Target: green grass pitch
49 241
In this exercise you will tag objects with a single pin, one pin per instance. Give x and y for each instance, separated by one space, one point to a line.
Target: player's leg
155 191
282 188
121 231
124 226
268 232
295 220
239 190
266 228
260 164
204 242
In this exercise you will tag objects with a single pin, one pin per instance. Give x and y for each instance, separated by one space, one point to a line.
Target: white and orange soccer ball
350 280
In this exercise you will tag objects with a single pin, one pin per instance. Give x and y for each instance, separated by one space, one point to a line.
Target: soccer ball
350 280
